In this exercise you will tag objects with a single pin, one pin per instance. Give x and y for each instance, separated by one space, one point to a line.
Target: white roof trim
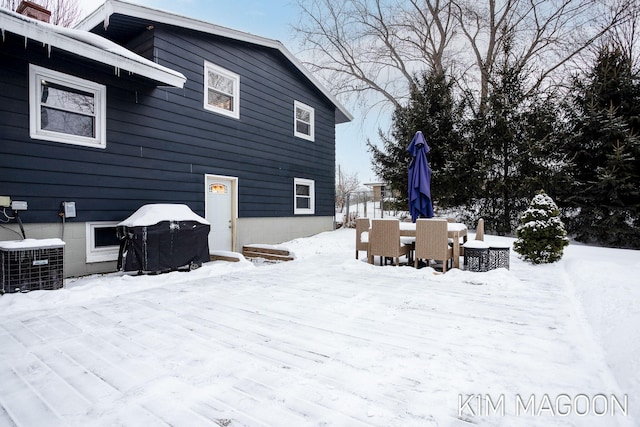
87 45
109 7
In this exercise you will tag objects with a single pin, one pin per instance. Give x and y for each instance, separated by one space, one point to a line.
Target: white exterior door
220 211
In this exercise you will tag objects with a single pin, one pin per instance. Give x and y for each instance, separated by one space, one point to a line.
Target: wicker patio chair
384 241
432 242
480 230
362 225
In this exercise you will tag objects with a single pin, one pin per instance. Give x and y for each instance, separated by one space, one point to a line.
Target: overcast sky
273 19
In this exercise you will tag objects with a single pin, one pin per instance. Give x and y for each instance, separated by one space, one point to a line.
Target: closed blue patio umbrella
420 204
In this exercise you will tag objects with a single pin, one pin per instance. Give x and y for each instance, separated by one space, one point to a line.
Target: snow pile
31 244
154 213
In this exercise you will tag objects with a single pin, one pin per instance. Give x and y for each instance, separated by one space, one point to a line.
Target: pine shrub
541 236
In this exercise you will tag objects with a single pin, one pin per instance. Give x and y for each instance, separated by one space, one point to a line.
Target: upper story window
222 91
67 109
304 197
303 121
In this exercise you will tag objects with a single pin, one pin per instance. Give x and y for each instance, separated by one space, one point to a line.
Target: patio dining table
455 230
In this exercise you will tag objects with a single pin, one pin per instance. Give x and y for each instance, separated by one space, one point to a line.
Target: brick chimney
34 10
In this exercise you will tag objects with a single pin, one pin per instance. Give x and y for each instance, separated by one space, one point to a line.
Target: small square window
102 241
221 91
66 109
304 198
303 121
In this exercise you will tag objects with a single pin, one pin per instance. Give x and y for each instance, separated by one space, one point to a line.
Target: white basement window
304 199
102 241
221 91
303 121
66 109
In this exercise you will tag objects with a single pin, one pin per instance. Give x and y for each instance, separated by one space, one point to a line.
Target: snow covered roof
102 15
154 213
87 45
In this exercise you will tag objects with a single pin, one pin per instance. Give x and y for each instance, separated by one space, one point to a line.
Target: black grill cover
164 246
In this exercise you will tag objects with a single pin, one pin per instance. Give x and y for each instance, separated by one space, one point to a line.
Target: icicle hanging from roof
108 11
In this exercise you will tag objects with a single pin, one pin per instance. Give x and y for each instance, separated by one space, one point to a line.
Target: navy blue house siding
161 141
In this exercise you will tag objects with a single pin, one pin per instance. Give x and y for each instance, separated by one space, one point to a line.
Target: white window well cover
154 213
94 250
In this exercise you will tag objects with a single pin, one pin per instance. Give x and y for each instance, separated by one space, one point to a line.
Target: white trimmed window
303 121
68 109
221 91
304 196
102 241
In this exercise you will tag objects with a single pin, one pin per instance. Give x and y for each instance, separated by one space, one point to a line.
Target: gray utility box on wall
31 265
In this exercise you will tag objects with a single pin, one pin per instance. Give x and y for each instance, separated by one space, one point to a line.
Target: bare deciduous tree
545 36
10 4
63 12
365 46
345 184
627 36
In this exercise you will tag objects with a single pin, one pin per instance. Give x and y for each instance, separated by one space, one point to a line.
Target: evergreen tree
432 110
604 153
541 236
516 135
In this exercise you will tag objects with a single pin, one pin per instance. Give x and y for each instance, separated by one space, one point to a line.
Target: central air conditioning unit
31 265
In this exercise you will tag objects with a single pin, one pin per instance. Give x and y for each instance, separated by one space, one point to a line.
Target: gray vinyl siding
161 141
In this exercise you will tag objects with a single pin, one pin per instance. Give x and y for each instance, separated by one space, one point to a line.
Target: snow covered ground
330 340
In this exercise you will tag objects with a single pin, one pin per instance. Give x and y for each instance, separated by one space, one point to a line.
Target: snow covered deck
324 340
